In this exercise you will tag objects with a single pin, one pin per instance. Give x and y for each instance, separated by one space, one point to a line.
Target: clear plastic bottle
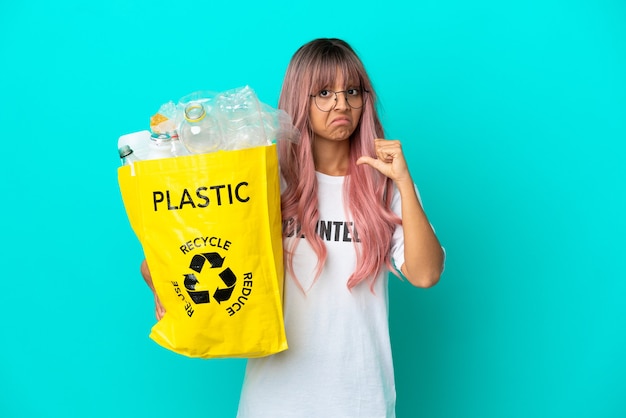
139 142
199 130
244 117
127 155
178 149
160 146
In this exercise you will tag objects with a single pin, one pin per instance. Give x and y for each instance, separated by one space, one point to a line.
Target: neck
331 157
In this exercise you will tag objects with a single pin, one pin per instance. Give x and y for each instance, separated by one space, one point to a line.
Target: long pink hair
368 193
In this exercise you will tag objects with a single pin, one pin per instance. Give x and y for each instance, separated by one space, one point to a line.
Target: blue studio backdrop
512 117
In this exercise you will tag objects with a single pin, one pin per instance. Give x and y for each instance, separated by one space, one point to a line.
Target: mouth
341 121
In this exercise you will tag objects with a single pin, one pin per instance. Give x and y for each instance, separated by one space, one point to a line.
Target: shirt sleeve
397 241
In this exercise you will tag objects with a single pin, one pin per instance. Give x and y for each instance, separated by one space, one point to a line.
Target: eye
354 91
325 94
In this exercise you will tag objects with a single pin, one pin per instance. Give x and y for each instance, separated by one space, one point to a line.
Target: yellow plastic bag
210 227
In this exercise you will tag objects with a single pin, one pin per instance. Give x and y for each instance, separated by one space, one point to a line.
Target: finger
365 160
389 145
158 307
379 142
160 313
373 162
386 155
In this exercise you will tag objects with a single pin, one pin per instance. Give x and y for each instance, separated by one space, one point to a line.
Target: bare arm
422 251
158 307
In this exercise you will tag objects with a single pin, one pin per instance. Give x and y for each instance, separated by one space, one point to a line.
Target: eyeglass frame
345 92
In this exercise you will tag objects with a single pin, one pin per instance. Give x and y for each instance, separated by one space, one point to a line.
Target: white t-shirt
339 362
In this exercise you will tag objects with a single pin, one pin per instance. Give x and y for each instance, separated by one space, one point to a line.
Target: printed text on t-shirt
327 230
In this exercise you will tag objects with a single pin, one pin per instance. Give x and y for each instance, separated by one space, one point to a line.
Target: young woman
351 213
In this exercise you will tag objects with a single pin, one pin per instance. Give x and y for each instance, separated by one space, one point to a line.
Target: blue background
512 116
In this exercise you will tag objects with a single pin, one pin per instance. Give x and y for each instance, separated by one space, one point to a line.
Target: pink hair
314 67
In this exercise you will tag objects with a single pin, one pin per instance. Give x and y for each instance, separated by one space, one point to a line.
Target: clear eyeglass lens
327 99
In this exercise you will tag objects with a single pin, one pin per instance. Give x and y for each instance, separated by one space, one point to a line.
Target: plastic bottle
160 146
127 155
139 142
241 111
177 148
199 130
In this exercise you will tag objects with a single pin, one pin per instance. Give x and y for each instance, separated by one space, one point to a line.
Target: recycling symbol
209 261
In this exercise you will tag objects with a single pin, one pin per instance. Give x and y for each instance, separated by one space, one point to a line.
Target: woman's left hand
423 254
390 160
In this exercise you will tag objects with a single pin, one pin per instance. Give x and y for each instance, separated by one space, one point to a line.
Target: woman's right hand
159 310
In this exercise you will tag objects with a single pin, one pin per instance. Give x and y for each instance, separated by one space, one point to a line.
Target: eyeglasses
326 100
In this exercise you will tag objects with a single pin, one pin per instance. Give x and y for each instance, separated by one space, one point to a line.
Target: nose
341 100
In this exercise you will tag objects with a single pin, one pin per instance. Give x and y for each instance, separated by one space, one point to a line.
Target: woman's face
341 119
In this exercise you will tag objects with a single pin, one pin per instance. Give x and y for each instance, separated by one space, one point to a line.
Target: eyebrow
347 86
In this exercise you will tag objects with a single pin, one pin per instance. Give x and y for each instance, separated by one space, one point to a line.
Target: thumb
372 162
367 160
376 164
